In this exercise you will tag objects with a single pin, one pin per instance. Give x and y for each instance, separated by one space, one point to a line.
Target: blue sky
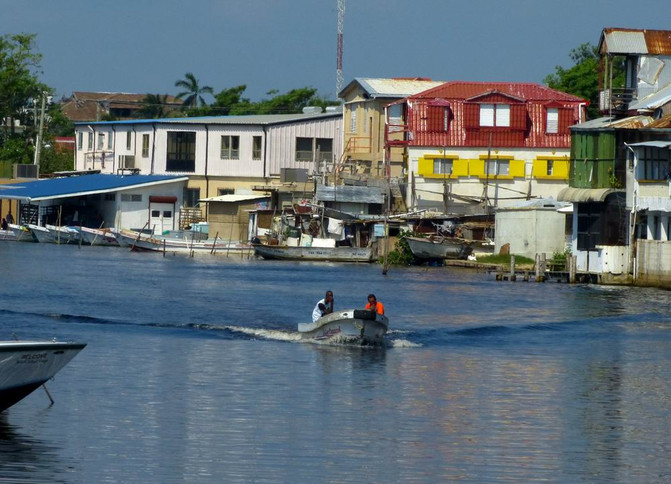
144 46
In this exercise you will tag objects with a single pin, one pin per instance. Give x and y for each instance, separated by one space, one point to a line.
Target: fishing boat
181 242
439 247
98 236
21 233
26 365
351 325
51 234
7 235
332 254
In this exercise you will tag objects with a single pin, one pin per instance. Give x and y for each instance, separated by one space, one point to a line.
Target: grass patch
504 259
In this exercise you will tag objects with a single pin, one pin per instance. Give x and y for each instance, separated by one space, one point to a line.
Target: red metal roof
525 91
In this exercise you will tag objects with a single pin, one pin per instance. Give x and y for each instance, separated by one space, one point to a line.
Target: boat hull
349 326
98 237
441 248
25 365
22 233
137 241
333 254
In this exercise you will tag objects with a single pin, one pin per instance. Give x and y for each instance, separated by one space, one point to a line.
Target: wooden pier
544 272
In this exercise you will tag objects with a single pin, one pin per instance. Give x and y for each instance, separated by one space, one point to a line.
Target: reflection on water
24 458
193 373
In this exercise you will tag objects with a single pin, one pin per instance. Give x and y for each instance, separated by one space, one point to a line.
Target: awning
652 144
578 195
78 186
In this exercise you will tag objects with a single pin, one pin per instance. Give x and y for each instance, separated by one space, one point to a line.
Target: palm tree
154 106
193 92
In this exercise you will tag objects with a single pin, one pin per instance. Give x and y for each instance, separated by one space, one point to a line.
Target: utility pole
38 143
340 41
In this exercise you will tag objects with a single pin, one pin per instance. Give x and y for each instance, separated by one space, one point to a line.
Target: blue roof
75 186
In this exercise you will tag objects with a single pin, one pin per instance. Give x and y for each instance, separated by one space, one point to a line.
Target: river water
193 374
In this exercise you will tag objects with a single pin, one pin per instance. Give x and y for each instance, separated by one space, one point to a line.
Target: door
161 217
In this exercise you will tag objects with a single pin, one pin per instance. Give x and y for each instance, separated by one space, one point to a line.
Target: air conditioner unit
25 171
126 162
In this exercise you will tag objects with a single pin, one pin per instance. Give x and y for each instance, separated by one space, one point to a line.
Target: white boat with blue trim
348 326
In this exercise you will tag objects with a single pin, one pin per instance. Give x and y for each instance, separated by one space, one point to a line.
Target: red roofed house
475 146
98 106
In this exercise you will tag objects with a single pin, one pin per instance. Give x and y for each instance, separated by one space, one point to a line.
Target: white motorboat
331 254
22 233
26 365
51 234
98 236
181 242
7 235
348 326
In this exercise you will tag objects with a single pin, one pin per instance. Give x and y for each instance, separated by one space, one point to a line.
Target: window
167 213
497 167
225 191
80 140
256 148
131 197
494 115
552 125
101 141
145 146
304 149
442 167
317 149
352 118
110 197
181 153
324 149
109 141
191 197
550 168
89 143
230 147
129 143
155 213
653 163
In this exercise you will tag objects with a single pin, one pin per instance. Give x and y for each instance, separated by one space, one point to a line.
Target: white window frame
228 152
443 166
552 122
497 167
495 115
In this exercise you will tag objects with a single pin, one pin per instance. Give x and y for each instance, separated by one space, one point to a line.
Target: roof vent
312 110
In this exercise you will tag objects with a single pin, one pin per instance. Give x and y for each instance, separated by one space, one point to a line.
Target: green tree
193 92
582 79
154 106
18 79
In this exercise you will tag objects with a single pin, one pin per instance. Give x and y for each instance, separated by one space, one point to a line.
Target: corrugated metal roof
233 198
661 123
632 122
585 194
653 143
394 87
467 90
351 194
653 101
76 186
635 41
252 119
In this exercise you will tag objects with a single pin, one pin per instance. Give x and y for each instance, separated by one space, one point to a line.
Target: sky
145 46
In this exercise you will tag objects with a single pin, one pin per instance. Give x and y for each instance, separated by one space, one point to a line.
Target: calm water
192 375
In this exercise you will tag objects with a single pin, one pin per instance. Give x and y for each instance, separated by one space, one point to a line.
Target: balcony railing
95 160
616 100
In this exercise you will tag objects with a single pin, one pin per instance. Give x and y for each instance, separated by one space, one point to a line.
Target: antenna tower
341 22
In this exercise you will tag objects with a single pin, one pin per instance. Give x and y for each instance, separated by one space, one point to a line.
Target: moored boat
332 254
187 244
351 325
21 233
25 365
98 236
439 247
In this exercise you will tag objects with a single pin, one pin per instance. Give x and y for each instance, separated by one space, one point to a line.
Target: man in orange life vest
374 304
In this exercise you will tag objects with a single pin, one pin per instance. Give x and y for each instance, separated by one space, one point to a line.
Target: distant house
647 64
223 155
365 104
96 106
476 146
621 164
